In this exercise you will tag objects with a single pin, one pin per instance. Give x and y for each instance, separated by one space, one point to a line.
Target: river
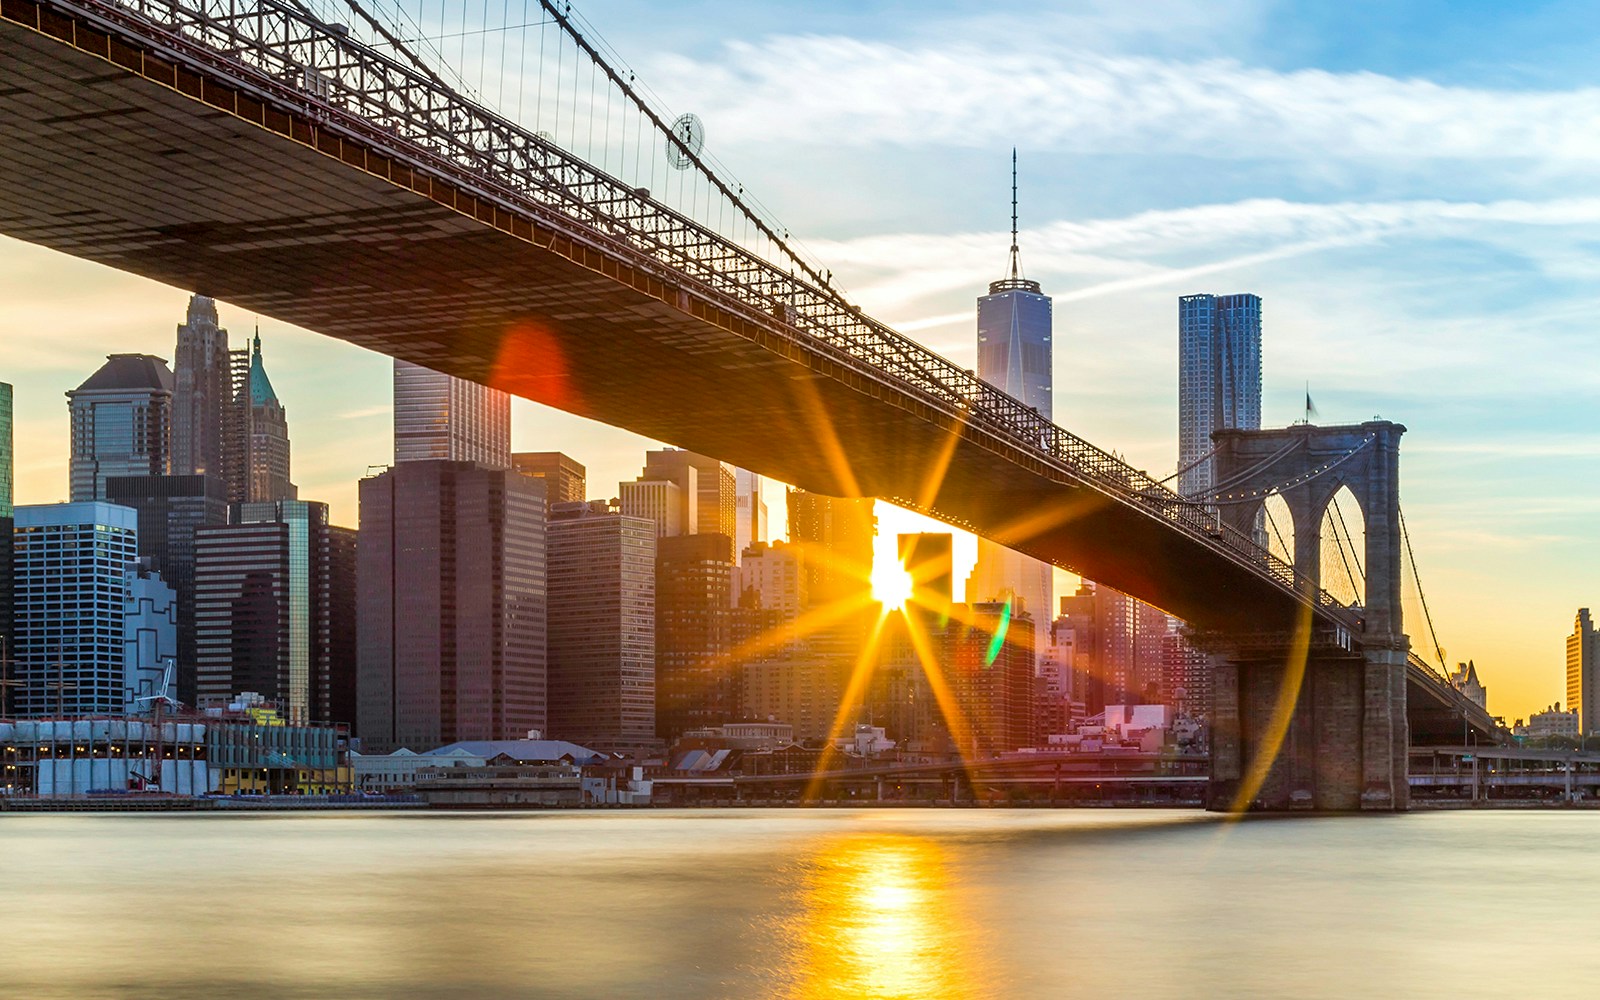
855 904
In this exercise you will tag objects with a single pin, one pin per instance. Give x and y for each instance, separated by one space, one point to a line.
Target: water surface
799 903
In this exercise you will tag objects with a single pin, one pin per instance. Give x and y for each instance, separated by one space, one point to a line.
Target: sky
1410 187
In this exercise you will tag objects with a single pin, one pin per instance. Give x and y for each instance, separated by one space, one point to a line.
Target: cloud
911 276
362 413
1586 447
986 93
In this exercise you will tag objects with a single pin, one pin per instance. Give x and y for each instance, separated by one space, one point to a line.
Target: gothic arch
1307 466
1343 543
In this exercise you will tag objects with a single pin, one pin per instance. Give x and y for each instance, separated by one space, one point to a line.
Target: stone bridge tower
1346 744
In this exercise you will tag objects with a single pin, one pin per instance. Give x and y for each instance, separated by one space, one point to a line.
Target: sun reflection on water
882 920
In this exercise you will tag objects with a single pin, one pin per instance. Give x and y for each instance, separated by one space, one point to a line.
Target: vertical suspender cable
522 59
538 96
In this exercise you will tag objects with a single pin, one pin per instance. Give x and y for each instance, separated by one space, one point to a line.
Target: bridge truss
278 54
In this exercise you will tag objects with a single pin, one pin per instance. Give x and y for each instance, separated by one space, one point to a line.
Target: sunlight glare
891 584
882 921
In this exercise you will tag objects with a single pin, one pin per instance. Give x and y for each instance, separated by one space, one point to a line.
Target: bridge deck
238 194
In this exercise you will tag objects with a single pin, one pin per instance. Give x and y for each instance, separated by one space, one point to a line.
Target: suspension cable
1305 477
1191 465
399 46
1349 537
1405 536
1288 552
824 285
1259 467
1344 557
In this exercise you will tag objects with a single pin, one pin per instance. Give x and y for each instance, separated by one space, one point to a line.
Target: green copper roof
260 386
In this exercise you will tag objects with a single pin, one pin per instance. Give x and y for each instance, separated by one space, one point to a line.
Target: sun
891 584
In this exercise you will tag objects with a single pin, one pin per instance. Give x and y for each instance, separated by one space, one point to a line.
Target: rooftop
520 750
126 372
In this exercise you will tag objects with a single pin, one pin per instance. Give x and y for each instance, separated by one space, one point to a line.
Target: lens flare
997 642
531 363
1294 675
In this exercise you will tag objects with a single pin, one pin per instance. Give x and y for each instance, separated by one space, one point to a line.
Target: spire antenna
1015 263
1014 281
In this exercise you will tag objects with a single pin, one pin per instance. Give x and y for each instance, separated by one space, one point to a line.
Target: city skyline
1487 472
548 566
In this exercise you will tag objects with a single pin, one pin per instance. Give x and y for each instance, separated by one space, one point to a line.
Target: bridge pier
1341 745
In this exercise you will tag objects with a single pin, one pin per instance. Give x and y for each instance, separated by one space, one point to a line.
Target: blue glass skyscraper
1219 377
1014 327
1014 355
71 580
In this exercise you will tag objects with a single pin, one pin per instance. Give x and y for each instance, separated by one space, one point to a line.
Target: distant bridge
253 152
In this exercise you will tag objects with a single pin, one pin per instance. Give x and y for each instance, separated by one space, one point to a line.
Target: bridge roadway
163 157
131 144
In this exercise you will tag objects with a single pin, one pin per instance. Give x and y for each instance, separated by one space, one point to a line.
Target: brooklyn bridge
335 176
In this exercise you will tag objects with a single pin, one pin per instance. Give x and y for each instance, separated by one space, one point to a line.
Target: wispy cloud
1530 448
858 91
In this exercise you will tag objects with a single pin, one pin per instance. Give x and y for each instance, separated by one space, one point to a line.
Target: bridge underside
205 189
1440 716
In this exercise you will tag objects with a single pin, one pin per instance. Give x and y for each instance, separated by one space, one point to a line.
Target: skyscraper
1583 673
121 423
451 605
696 684
69 655
343 638
602 627
269 436
7 455
264 592
988 659
7 501
171 509
202 393
659 501
1187 675
1219 378
440 417
564 478
1118 646
1015 326
835 535
772 578
227 423
752 512
713 485
1014 329
149 636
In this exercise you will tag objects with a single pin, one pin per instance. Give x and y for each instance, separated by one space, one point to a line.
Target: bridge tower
1316 718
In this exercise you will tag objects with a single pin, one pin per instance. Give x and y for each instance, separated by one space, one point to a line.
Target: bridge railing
334 78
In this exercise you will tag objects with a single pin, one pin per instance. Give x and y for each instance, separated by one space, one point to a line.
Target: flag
1311 408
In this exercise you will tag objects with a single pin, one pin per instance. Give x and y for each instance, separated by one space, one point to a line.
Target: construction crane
159 699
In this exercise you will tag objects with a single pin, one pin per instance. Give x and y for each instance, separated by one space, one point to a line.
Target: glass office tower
69 654
1219 378
121 423
1015 326
440 417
